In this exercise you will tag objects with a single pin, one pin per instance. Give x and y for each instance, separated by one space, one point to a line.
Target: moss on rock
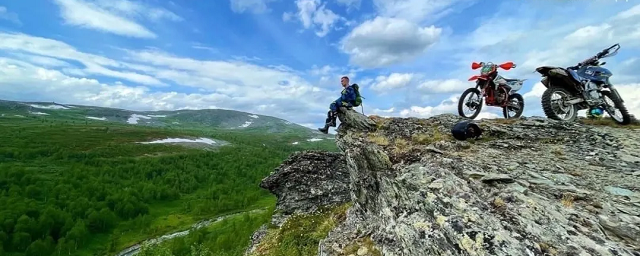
301 233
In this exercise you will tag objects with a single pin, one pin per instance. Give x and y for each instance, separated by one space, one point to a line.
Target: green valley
73 185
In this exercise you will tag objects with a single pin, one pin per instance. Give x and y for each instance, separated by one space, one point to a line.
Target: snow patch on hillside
314 139
38 113
157 115
295 143
254 116
179 140
19 115
48 106
246 124
175 123
133 119
97 118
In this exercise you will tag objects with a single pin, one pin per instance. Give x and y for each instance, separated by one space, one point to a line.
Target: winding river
134 249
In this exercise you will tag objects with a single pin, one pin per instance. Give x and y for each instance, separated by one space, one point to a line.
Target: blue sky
285 58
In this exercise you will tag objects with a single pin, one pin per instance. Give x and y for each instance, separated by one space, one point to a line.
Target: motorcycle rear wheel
520 102
552 109
476 106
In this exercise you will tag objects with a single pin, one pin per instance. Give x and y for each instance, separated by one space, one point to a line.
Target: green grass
301 234
606 121
86 188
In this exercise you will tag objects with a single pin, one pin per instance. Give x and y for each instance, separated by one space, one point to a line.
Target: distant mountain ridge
204 118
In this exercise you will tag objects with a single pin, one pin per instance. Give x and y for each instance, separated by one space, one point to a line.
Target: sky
282 58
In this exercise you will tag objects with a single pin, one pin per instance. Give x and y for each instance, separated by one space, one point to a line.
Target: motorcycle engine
499 96
591 92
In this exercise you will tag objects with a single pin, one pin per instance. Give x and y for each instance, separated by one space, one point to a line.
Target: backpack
464 130
359 98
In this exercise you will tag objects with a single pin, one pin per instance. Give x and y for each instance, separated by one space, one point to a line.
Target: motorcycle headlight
486 70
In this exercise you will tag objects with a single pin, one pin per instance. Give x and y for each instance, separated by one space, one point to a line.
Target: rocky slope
527 187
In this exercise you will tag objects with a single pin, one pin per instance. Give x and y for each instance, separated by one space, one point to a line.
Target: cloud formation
384 41
222 84
113 16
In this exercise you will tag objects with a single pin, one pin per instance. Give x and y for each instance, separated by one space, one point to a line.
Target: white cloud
448 105
41 60
419 10
287 16
385 41
314 14
392 82
324 70
6 15
89 15
383 112
94 64
536 91
444 86
254 6
631 95
138 10
350 4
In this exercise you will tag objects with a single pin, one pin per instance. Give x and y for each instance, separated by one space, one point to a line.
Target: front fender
473 78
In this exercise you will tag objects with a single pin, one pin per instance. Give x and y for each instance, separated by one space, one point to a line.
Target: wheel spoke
558 106
472 103
611 109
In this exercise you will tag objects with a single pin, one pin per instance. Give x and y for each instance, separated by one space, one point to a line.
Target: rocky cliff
404 186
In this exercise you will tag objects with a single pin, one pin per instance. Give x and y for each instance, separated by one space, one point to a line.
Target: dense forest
89 189
226 238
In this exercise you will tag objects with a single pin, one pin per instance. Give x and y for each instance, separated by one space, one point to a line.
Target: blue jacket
348 96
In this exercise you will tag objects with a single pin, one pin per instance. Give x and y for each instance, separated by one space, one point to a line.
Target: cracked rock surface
530 186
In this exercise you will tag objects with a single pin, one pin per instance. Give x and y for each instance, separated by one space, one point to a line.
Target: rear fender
545 81
544 70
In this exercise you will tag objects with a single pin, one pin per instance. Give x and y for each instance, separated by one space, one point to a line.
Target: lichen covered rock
306 181
529 186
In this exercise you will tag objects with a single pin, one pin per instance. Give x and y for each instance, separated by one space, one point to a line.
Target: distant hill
204 119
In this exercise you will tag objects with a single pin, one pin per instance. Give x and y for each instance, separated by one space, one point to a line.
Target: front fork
479 101
615 93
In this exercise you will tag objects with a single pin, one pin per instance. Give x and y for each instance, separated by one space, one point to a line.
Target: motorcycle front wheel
555 108
474 103
613 103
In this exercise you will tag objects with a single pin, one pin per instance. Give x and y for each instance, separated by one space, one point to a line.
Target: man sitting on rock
347 99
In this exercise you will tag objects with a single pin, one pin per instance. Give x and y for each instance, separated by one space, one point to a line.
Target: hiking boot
324 129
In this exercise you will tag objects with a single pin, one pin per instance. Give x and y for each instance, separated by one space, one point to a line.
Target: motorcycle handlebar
606 51
596 57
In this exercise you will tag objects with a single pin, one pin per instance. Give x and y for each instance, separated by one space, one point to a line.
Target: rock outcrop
529 186
306 181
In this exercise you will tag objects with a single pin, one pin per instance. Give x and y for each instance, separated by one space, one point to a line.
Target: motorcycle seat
511 80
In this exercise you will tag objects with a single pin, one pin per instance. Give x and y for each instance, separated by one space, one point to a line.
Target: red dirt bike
493 94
